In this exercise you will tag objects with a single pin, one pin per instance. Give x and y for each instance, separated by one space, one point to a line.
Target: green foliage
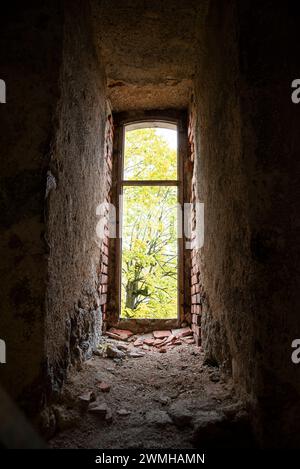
149 250
148 156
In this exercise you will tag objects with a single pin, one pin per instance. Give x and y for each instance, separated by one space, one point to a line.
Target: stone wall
53 179
78 174
246 144
268 51
31 45
196 289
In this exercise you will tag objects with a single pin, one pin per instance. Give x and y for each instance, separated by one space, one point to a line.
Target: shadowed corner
15 430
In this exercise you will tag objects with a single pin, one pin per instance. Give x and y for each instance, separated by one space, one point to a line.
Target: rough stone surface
114 352
65 418
241 60
158 417
145 397
149 51
73 319
99 409
213 430
246 163
31 49
181 412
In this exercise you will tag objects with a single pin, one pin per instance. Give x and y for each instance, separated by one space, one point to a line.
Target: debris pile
120 343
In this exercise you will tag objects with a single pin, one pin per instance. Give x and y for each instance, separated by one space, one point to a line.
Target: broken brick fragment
138 343
149 341
104 387
170 339
189 340
120 334
161 334
157 342
183 332
113 336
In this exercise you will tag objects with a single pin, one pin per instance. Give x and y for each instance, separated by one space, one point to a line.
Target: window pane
149 252
150 154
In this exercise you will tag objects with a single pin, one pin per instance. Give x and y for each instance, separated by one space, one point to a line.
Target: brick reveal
195 270
104 257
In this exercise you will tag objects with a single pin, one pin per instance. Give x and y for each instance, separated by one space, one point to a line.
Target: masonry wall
246 143
30 51
196 287
77 186
105 257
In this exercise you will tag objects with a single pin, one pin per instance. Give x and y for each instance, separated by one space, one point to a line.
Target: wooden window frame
121 121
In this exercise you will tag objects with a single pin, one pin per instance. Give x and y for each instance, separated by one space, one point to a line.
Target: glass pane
149 252
150 154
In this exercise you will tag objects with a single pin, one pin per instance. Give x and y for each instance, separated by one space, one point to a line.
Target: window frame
159 119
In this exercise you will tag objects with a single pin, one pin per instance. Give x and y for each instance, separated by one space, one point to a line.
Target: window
149 252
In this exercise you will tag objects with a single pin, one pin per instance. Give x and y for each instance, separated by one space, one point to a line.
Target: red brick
196 319
196 309
157 342
170 339
196 329
105 249
104 259
184 332
103 299
197 339
149 341
189 340
196 299
138 343
194 279
177 342
122 333
161 334
104 387
104 279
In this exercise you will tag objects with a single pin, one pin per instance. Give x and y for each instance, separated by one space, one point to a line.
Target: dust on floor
149 400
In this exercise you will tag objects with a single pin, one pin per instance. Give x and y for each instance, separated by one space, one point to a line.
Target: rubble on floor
135 346
119 334
171 400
